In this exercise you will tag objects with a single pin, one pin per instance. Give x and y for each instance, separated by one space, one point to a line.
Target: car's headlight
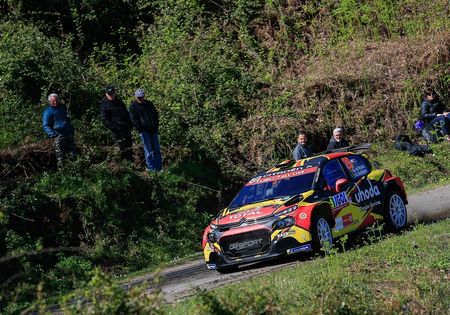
284 223
287 210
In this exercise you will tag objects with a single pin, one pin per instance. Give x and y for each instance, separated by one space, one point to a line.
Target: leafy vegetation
234 82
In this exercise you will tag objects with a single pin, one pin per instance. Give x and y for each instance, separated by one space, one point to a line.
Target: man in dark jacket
302 150
436 117
145 119
114 115
57 126
337 141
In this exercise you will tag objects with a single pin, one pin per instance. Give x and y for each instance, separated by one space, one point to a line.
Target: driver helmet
419 125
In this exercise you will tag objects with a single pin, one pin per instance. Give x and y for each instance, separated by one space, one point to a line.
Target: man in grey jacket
302 150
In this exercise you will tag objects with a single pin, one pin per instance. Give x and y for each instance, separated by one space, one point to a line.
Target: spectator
115 116
56 124
435 116
337 140
302 150
145 119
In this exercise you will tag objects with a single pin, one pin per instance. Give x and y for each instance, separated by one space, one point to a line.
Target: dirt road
181 281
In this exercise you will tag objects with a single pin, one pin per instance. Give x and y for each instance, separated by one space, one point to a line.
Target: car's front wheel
396 214
322 237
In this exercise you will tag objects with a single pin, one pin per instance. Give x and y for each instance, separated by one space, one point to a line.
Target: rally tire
396 215
322 237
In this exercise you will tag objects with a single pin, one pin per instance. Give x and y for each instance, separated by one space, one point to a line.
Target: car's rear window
275 185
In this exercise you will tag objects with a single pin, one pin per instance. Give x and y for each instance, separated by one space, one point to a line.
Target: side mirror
340 183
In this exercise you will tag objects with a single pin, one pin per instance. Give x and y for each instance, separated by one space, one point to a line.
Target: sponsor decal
271 177
340 200
302 216
343 222
243 245
211 266
303 248
284 234
371 205
242 214
366 194
356 167
359 171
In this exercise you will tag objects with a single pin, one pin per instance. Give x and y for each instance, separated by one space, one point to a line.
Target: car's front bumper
287 246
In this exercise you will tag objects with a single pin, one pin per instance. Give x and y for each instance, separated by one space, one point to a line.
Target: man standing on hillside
302 150
114 115
337 140
56 124
145 119
435 116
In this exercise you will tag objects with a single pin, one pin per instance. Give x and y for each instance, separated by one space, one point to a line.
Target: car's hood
250 212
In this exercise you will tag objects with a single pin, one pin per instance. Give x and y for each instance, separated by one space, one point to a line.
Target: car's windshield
275 185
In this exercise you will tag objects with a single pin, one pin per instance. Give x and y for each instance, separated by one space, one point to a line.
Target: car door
363 192
343 210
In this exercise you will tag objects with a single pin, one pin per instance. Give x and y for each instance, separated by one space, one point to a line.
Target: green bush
32 65
103 296
108 214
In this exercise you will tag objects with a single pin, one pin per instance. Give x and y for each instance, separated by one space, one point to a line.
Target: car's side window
332 171
356 165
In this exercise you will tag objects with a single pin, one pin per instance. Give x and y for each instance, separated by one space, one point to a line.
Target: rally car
302 206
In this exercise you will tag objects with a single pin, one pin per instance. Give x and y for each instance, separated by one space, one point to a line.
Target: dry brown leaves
26 160
372 89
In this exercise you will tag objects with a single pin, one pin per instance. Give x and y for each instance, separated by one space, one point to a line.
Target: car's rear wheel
322 237
396 215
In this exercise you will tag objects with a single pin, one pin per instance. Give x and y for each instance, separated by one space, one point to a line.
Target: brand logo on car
366 194
246 244
256 211
339 200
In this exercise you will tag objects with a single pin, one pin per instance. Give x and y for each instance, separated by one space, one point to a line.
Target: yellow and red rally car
301 206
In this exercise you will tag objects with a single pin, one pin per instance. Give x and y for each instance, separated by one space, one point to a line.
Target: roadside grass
404 274
417 173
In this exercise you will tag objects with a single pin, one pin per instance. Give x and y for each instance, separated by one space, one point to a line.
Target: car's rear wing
360 148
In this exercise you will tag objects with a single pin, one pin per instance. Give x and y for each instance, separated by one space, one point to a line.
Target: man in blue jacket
57 126
145 119
436 117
